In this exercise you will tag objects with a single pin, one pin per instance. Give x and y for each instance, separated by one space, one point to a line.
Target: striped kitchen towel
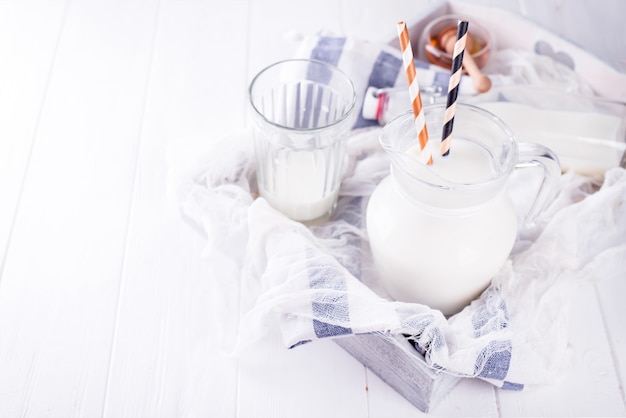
377 65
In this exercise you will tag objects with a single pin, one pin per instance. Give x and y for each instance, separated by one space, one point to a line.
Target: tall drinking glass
302 113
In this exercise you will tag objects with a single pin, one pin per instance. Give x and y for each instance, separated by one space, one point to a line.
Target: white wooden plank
61 274
28 38
588 385
167 358
314 380
273 23
470 398
611 293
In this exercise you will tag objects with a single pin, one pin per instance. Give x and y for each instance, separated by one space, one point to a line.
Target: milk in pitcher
442 255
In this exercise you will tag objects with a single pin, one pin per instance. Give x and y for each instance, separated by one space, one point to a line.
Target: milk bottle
439 233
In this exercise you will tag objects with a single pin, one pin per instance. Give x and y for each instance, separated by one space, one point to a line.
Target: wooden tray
398 364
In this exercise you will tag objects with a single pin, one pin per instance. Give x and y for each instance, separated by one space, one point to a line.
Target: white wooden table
104 296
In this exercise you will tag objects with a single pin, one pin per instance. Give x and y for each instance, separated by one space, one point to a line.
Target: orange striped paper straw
414 91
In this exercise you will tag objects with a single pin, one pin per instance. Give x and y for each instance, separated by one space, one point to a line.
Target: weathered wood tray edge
398 364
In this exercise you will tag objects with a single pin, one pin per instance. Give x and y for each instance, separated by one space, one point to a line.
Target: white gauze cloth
319 282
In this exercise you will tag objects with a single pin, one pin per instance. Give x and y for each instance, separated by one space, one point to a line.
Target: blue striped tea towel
379 66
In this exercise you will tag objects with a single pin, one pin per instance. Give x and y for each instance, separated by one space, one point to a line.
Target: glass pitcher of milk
439 233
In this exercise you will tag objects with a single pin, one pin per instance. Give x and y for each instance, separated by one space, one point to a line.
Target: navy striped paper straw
453 86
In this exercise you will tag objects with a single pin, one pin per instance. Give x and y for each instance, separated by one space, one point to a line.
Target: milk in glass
299 183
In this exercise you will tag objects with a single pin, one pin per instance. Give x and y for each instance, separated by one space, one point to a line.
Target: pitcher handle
537 155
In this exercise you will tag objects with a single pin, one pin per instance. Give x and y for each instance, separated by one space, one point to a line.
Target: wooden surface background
104 294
